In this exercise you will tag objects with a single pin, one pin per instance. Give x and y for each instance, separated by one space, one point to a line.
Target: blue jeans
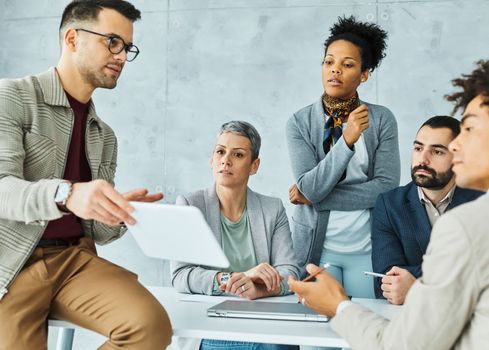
348 270
212 344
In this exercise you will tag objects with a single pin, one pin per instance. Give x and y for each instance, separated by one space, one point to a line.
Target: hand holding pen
374 274
323 295
396 284
312 275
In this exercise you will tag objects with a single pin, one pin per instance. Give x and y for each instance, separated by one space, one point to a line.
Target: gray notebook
265 310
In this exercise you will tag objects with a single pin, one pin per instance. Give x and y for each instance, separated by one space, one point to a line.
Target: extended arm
438 306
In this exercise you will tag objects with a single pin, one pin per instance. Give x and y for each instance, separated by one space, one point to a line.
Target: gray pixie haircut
245 129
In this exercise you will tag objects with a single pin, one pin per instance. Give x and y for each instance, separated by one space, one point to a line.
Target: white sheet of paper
199 298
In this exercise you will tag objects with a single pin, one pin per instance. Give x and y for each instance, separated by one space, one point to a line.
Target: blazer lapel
55 96
257 226
317 124
420 222
64 124
94 141
213 212
370 137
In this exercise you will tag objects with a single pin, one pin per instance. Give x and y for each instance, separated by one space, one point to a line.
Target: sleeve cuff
343 305
283 290
215 287
352 149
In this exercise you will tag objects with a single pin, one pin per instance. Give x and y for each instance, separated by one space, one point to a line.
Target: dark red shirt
76 170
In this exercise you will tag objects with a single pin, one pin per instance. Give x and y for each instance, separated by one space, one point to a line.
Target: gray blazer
317 175
269 230
448 307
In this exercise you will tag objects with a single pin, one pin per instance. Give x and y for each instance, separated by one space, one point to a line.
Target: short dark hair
443 121
368 37
88 10
473 85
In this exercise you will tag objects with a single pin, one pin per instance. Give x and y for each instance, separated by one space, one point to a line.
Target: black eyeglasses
116 44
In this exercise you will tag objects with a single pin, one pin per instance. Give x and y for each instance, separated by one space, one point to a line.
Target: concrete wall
204 62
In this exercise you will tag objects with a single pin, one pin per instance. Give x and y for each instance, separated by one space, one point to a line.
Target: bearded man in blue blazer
402 218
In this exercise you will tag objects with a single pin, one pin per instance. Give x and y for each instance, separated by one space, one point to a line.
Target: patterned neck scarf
338 112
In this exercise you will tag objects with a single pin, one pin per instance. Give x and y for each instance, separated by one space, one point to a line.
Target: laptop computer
176 233
265 310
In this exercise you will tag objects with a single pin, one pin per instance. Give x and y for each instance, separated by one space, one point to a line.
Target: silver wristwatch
225 276
63 192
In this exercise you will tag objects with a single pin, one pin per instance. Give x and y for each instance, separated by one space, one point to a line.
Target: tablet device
176 232
265 310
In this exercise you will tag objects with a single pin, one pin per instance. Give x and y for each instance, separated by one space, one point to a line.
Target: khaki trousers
74 284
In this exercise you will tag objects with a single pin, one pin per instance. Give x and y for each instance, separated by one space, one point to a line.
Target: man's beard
436 181
97 78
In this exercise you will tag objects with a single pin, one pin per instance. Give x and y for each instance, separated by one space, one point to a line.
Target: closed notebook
265 310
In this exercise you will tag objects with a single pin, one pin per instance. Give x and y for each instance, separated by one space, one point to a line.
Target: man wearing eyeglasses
57 196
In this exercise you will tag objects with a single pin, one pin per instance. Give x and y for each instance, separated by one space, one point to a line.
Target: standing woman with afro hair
344 152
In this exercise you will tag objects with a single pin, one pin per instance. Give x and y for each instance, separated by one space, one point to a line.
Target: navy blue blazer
401 229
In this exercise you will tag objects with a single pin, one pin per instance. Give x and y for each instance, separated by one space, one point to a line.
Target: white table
189 319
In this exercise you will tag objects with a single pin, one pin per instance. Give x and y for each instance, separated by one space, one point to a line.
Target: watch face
62 192
225 277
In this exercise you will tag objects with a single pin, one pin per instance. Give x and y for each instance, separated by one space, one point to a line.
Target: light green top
237 243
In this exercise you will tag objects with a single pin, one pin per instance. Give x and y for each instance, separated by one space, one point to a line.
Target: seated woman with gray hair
252 229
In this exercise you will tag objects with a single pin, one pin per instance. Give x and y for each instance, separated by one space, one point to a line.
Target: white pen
375 274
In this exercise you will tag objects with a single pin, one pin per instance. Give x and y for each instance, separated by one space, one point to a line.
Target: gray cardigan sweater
270 235
317 174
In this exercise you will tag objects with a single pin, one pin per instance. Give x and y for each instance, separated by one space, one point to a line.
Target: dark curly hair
368 37
473 85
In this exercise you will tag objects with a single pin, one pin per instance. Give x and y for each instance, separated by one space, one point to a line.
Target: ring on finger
243 289
303 301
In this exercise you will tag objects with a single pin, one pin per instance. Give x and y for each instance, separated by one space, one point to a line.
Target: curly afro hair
368 37
473 85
